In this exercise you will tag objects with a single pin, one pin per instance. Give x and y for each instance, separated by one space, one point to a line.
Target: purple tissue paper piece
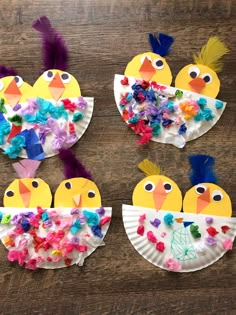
156 222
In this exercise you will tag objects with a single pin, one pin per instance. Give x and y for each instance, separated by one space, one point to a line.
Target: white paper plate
170 135
77 257
80 126
191 253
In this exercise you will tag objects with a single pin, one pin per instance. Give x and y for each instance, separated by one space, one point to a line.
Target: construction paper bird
13 89
156 191
152 66
180 241
27 191
78 190
205 196
55 83
201 77
44 237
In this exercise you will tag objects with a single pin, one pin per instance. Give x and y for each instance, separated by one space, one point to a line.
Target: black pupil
217 197
207 78
200 190
167 186
16 79
159 63
193 74
35 184
10 193
148 187
91 194
49 74
64 76
68 185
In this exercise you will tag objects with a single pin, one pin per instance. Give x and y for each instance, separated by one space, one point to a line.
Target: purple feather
72 166
5 72
55 53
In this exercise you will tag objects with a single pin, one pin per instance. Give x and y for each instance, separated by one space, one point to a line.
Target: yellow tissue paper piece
207 198
158 192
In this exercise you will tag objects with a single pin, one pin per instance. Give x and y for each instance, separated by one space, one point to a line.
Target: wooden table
102 36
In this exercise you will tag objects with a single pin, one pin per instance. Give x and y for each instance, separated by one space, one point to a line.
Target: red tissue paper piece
160 246
151 237
225 228
125 81
140 230
69 105
105 220
212 231
125 115
142 218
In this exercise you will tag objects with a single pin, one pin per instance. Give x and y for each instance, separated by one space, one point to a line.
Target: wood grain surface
102 36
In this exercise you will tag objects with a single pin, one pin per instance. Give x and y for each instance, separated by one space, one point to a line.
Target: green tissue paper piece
77 116
194 231
16 120
6 219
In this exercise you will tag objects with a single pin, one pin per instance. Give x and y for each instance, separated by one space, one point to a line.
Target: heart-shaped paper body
52 238
163 113
176 241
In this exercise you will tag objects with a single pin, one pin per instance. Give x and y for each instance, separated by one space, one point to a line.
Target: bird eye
168 187
193 72
35 183
149 186
1 85
200 189
68 185
207 78
65 77
158 64
10 193
217 195
144 57
48 75
91 194
19 81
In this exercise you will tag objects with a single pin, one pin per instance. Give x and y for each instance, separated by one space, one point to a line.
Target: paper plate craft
201 77
164 114
38 236
180 241
53 115
152 65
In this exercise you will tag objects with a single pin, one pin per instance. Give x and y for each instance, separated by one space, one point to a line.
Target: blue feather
202 169
161 44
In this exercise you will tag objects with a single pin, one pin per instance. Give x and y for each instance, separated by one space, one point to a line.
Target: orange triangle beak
12 93
77 200
146 70
197 84
25 193
203 201
159 195
56 87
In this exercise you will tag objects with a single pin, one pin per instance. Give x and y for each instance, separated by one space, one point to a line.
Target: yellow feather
149 168
211 54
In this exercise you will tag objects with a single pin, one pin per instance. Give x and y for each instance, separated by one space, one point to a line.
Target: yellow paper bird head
56 84
152 66
27 192
14 90
156 191
77 192
201 77
205 196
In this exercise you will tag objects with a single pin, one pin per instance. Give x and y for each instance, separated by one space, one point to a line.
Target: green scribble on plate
181 245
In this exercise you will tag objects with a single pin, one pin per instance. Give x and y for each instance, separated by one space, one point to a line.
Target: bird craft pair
38 236
47 118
